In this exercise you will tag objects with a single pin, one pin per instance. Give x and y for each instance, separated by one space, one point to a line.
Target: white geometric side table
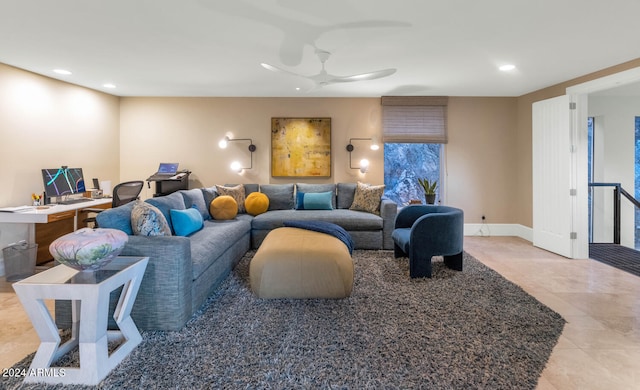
89 295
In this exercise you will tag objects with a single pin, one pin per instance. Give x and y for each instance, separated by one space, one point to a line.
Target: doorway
579 100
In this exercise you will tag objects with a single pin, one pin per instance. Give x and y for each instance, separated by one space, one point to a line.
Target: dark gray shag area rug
458 330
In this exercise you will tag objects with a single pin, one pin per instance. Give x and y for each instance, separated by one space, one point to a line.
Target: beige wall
45 123
479 157
187 130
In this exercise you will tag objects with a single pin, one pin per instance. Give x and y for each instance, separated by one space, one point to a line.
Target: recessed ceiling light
297 88
507 67
108 85
62 71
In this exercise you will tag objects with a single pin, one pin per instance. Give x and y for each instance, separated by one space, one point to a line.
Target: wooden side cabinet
57 225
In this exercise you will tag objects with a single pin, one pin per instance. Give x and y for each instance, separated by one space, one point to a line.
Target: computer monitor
63 181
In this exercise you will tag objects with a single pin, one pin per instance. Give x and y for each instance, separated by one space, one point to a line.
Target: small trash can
19 261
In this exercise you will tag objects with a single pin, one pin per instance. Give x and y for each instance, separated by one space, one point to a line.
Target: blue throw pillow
314 201
186 221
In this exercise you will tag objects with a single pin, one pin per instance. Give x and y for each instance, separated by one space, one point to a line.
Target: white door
552 195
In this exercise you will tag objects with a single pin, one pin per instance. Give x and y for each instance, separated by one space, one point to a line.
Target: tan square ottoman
299 263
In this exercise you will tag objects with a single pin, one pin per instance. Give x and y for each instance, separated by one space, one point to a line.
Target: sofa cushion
224 207
256 203
250 188
210 243
314 200
186 221
236 192
117 218
173 201
367 198
280 196
209 195
147 220
347 219
195 198
346 192
312 188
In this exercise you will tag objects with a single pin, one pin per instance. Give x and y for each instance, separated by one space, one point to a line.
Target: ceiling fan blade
280 70
363 76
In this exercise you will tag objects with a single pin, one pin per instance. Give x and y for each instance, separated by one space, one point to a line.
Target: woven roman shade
414 119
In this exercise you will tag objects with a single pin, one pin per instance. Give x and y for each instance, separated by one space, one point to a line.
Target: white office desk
53 222
45 215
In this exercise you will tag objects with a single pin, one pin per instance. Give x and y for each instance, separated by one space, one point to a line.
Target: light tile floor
600 345
599 348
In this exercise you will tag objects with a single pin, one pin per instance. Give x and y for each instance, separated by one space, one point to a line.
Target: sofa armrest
164 300
388 211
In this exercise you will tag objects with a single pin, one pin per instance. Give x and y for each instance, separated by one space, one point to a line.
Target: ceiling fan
323 78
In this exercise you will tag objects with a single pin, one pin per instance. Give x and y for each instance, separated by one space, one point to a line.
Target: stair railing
618 192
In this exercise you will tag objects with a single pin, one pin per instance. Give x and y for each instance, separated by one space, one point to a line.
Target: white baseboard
498 229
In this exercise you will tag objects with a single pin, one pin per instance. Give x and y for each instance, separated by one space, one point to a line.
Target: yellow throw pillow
256 203
223 207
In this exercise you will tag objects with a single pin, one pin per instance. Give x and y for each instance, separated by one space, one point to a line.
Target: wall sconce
364 163
236 166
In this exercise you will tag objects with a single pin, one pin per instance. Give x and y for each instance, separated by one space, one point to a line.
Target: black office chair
123 193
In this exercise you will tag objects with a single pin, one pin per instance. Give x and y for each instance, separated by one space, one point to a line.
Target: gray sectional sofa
369 231
183 271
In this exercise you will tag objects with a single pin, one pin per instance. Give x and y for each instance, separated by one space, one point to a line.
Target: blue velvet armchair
424 231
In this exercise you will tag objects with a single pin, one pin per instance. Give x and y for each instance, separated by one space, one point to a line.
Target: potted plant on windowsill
429 188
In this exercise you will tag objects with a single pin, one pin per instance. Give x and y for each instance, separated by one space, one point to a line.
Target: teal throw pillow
186 221
314 200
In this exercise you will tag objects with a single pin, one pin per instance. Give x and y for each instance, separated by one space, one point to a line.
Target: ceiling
214 48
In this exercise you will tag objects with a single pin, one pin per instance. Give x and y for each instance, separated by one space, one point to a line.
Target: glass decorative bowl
88 249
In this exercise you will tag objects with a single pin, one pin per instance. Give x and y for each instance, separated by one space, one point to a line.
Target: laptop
165 171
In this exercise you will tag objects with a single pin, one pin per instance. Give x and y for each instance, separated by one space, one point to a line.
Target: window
404 163
414 131
420 119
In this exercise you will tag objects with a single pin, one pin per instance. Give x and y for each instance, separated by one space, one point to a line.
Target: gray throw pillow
346 192
280 196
